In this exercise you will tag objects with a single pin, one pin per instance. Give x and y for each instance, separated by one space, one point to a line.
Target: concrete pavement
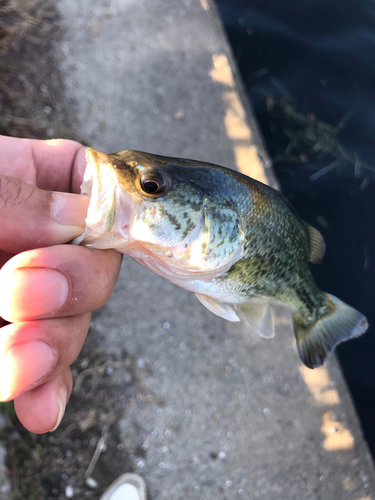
213 414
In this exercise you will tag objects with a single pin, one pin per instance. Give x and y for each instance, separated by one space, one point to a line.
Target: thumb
33 218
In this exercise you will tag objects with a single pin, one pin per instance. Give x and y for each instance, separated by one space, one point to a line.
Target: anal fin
258 316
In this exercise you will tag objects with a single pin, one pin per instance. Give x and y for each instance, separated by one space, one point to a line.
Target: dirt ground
30 84
48 466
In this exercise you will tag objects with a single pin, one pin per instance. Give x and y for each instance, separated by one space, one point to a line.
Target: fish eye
154 183
150 187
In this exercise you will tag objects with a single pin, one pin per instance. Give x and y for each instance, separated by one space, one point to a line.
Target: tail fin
316 342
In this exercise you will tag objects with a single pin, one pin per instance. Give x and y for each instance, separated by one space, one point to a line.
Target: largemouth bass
236 243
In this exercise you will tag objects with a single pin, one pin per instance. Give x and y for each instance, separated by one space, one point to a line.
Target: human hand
47 289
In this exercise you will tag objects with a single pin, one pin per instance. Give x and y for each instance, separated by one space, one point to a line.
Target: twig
98 370
101 446
325 170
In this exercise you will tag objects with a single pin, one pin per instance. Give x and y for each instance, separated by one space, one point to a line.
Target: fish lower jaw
187 277
102 241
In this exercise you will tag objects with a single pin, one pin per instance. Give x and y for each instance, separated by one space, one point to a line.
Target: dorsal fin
316 244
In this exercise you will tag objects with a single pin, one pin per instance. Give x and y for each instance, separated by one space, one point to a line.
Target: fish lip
101 184
103 189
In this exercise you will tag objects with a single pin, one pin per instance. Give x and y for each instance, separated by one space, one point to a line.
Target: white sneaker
126 487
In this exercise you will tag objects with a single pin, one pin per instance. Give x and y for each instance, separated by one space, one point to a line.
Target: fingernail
32 292
69 209
22 366
62 399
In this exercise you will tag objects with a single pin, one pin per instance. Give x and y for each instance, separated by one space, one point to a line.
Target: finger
64 280
33 218
41 409
55 165
4 257
56 155
34 352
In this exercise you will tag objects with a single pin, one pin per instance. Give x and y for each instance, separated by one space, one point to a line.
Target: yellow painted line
221 71
348 484
245 152
320 385
204 4
248 163
337 436
235 118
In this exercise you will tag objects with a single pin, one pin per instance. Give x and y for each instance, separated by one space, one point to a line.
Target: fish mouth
109 211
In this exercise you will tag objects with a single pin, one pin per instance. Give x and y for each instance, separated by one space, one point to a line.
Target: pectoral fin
221 309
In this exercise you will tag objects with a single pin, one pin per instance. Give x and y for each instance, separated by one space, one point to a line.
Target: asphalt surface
216 414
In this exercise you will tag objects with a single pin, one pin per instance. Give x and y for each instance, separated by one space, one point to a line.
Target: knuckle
13 192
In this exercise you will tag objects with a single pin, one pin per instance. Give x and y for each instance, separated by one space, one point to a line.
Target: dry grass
30 84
